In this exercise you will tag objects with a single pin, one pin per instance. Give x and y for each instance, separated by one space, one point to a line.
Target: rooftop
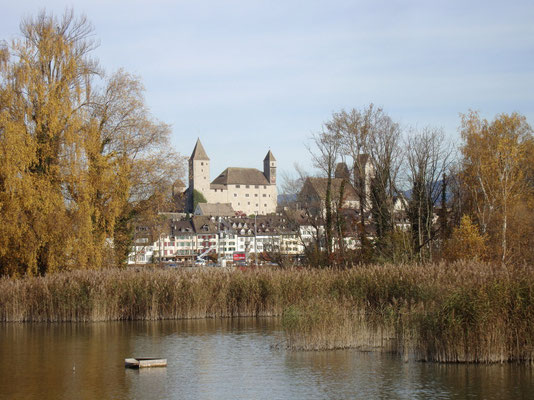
245 176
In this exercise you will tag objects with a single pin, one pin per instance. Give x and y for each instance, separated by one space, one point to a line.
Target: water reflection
224 359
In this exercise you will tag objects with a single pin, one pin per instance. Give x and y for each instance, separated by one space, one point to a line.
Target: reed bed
463 312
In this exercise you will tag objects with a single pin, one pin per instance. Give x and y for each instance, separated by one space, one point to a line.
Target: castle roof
198 152
269 157
241 176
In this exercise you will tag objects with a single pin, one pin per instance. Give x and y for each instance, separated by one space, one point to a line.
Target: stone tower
269 168
199 171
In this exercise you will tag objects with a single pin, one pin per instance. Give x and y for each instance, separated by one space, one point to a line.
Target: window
257 204
237 186
247 186
256 195
249 203
201 163
246 195
265 205
256 186
264 186
235 194
264 195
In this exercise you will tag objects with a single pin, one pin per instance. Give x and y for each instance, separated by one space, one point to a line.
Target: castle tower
199 170
269 168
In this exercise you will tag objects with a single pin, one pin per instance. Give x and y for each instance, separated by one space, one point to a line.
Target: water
225 359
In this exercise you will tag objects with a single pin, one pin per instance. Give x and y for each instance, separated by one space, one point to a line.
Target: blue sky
249 76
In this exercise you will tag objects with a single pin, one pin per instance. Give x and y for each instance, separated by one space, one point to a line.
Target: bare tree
325 156
386 157
428 158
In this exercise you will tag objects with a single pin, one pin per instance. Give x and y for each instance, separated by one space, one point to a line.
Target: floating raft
145 362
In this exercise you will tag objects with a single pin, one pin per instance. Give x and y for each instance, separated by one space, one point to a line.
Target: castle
247 189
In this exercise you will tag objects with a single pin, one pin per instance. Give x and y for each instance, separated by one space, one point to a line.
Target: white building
247 189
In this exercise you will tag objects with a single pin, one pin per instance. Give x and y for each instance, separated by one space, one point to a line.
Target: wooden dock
145 362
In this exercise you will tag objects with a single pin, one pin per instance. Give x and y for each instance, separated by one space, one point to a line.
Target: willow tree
78 151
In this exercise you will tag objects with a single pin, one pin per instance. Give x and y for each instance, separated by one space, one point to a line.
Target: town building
247 190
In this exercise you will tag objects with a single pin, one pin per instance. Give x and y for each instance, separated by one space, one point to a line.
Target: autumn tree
79 152
466 242
496 174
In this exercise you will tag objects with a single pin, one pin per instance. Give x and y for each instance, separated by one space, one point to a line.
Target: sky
251 76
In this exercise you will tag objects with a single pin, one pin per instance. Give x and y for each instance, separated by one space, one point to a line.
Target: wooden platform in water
145 362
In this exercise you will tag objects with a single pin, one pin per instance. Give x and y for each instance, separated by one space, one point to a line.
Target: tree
428 157
495 172
78 152
368 141
198 198
325 157
466 242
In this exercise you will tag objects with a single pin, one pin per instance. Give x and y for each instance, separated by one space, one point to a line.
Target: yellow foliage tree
496 158
78 152
466 242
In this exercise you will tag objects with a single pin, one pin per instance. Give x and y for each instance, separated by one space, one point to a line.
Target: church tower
269 168
199 170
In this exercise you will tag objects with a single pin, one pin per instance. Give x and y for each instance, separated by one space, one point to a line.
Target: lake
225 359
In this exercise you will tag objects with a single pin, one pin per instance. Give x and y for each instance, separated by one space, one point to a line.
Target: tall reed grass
464 312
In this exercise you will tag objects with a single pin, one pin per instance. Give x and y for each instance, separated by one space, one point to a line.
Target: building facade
248 190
